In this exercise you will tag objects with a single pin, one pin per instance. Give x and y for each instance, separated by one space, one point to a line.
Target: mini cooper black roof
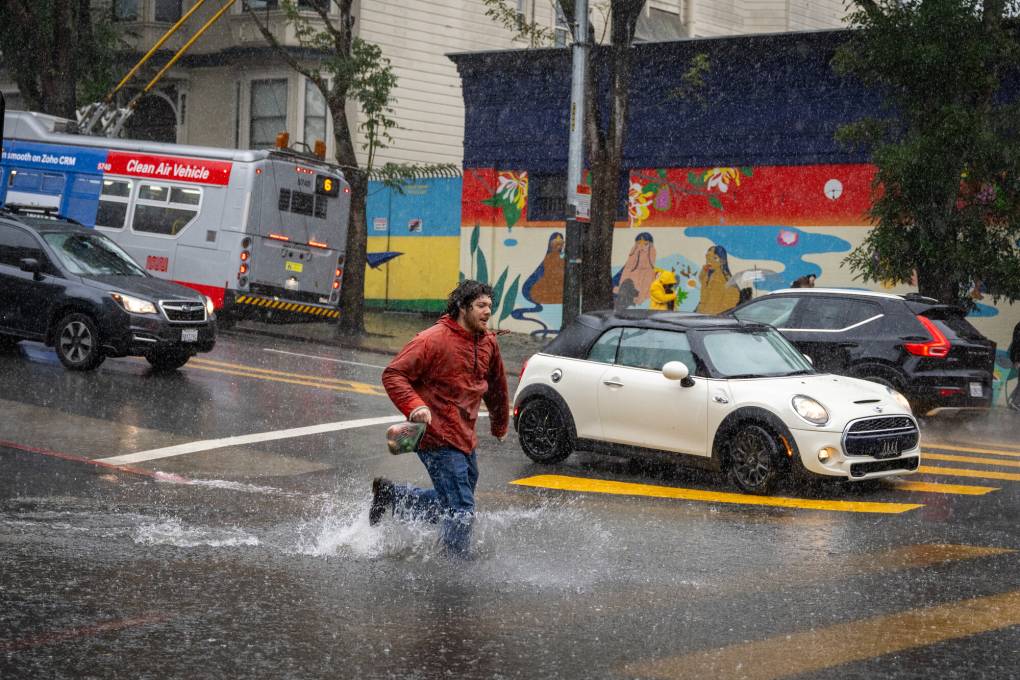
575 340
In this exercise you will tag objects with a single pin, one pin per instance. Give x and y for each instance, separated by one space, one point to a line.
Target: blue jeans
450 501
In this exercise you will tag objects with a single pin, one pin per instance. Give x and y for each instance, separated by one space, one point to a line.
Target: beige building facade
232 90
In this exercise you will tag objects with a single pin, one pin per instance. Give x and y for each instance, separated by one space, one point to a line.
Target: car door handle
612 383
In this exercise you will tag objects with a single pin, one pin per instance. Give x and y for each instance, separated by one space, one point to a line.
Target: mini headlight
810 410
133 304
209 306
900 399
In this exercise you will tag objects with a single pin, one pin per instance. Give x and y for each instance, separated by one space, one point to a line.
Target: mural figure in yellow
639 268
663 291
716 295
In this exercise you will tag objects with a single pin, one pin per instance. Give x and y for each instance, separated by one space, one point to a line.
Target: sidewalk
386 333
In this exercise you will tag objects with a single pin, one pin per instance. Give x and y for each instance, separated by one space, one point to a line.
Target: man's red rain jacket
450 370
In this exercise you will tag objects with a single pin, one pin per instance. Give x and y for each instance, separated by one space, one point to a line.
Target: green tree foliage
345 69
58 52
947 149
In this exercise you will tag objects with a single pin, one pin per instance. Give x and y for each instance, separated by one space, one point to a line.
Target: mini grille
885 437
861 469
183 310
888 423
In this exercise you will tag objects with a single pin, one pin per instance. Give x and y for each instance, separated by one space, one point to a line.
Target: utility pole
575 163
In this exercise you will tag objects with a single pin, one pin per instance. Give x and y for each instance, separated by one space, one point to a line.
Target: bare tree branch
287 56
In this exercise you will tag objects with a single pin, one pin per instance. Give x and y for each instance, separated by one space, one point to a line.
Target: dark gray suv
75 290
922 348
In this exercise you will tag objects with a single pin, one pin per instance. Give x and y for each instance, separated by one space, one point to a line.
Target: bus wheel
77 342
168 360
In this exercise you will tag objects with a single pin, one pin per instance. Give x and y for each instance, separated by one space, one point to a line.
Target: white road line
241 440
313 356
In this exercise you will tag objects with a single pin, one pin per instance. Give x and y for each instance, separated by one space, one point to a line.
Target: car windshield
753 354
92 255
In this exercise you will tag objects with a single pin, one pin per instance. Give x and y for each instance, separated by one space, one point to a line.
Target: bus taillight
279 237
317 244
244 256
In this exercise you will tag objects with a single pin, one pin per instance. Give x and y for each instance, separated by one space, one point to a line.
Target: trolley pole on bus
577 203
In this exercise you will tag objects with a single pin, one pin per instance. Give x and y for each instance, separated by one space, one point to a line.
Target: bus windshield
92 255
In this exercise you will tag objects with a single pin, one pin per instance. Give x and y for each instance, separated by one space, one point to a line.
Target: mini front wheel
543 431
754 459
77 342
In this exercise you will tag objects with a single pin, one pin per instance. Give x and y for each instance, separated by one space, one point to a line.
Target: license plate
975 390
189 335
294 266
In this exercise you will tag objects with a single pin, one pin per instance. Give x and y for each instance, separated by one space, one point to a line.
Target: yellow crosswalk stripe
958 489
962 472
292 381
564 483
823 648
971 459
972 449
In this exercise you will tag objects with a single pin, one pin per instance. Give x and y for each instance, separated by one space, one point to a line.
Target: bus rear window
301 203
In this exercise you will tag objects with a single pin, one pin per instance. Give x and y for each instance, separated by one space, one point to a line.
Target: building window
275 4
268 112
547 196
168 10
162 209
561 32
315 115
126 10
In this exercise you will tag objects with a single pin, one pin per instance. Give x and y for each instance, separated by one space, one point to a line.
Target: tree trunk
352 292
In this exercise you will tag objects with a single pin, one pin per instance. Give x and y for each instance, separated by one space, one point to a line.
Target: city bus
262 232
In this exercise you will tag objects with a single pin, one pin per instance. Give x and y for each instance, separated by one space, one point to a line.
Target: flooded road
214 524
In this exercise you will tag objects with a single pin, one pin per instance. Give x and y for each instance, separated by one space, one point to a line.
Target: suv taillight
524 367
937 347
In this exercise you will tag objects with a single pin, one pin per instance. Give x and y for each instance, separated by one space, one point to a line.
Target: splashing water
174 532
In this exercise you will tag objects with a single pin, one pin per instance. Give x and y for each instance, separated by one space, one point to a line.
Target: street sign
582 201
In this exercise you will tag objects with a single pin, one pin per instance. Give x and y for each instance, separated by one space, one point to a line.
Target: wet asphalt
257 560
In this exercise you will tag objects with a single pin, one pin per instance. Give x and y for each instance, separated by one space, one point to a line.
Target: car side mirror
809 360
30 264
677 370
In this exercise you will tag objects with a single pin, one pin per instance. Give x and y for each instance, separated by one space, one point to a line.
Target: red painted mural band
808 195
170 168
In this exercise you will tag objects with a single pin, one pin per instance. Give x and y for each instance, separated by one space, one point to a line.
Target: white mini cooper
717 392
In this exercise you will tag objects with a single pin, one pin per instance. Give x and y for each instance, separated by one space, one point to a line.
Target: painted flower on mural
511 195
787 237
720 178
638 200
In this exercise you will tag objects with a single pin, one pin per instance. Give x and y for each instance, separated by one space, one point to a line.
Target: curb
312 341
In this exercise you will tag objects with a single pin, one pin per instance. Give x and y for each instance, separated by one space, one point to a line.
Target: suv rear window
953 324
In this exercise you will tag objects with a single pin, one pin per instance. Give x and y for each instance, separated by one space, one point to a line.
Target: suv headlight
133 304
900 399
810 410
209 306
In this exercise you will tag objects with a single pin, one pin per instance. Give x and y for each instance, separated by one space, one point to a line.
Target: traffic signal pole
575 164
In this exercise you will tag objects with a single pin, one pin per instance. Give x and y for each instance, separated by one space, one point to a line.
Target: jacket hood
667 277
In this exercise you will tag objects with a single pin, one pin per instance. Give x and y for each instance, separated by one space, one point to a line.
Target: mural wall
725 233
413 244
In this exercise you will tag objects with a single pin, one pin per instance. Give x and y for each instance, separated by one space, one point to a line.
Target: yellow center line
972 449
971 459
961 472
831 646
350 385
358 388
564 483
958 489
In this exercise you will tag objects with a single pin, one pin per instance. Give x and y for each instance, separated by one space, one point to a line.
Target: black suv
76 290
914 344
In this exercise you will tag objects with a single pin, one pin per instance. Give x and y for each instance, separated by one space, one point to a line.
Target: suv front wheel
77 342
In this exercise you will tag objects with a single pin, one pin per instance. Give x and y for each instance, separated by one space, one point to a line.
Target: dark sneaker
382 498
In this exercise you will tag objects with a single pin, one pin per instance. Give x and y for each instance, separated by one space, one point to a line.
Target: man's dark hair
466 292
